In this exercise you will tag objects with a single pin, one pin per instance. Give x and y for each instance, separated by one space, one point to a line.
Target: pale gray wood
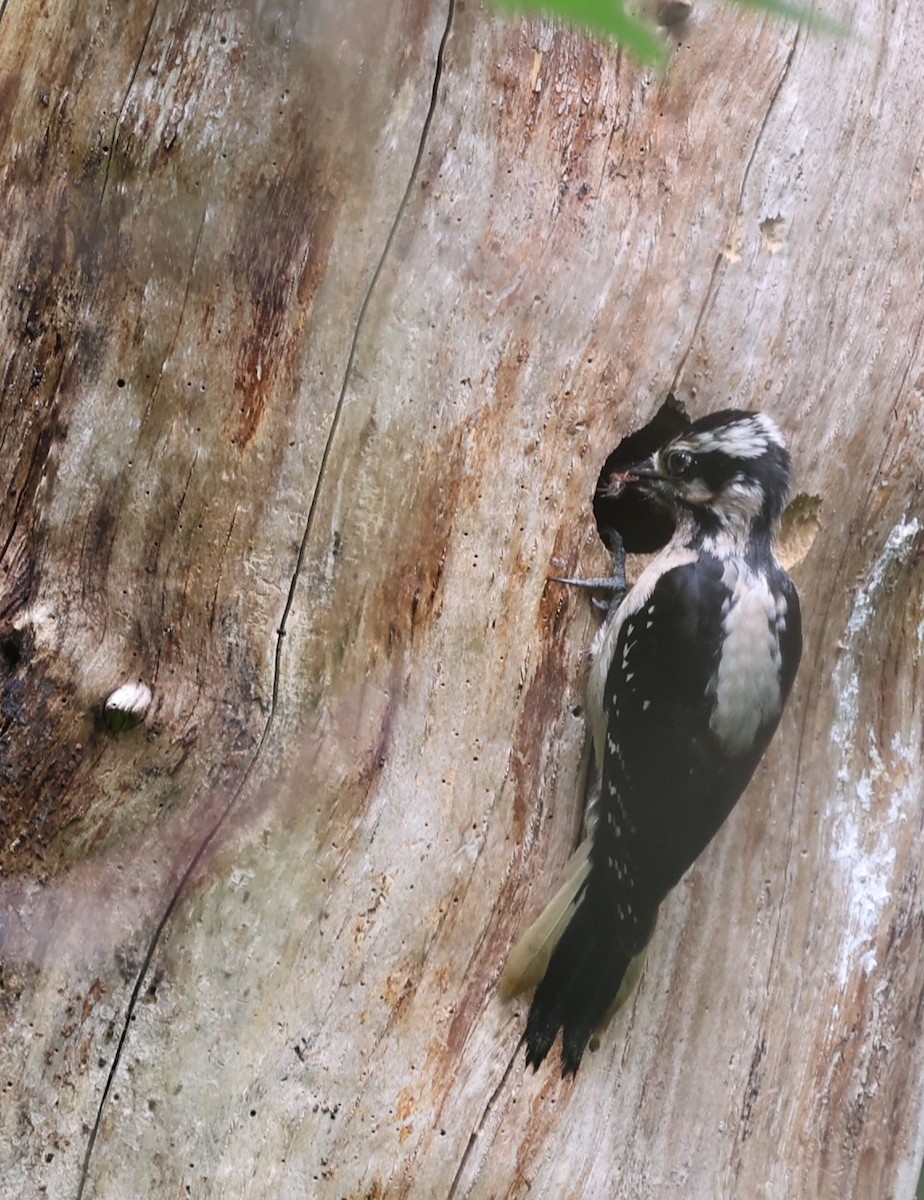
203 200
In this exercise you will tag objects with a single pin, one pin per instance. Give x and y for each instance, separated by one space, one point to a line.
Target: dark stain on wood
36 763
55 754
535 796
752 1090
408 596
279 259
542 706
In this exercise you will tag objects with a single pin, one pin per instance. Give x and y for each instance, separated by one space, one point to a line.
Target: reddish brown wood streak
191 193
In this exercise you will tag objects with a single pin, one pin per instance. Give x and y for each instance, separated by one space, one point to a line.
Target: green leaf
609 18
606 17
792 12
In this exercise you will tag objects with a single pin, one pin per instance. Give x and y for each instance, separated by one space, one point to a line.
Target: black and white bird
686 687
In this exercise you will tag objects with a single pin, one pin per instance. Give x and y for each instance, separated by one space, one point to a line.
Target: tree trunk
321 319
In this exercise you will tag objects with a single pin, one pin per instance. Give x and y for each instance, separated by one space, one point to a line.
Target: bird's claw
614 586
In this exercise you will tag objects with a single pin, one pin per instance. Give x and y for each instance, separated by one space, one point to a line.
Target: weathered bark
319 321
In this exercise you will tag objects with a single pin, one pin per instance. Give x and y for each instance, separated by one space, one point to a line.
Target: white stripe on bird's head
748 437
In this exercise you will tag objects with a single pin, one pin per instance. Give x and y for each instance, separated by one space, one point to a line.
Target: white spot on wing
604 646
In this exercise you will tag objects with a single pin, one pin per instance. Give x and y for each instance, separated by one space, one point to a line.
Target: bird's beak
635 473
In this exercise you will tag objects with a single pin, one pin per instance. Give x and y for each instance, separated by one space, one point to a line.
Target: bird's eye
678 463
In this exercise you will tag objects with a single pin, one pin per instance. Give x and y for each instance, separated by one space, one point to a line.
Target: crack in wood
713 285
280 633
219 569
128 91
354 344
485 1113
173 341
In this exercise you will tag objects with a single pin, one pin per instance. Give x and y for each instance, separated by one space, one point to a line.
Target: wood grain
321 320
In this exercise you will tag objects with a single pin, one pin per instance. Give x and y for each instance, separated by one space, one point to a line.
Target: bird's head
728 472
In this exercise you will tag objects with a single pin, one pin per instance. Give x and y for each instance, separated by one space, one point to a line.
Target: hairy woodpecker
686 687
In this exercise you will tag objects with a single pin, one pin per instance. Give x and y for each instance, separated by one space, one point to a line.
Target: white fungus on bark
127 706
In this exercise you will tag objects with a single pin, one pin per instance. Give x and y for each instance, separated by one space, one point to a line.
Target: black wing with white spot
667 784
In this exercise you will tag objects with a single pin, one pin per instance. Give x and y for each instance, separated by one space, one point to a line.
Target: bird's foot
613 586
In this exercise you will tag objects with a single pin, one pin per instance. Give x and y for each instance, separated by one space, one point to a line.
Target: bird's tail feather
580 988
571 951
528 961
